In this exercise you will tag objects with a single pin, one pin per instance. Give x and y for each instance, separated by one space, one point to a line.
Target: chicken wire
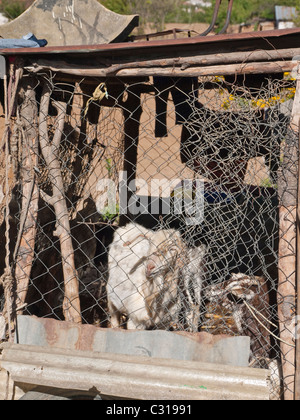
171 190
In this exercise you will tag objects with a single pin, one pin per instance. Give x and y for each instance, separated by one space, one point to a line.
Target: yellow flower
219 79
226 104
287 75
261 103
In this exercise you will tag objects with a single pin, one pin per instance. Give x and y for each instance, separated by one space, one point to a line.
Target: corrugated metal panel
133 377
8 390
283 13
201 347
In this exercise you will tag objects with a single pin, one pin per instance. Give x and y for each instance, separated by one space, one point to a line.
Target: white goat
144 272
124 292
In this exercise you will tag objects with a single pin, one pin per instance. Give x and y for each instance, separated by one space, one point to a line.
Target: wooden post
288 186
71 304
297 375
24 251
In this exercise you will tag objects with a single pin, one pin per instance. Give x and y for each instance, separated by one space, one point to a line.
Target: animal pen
154 185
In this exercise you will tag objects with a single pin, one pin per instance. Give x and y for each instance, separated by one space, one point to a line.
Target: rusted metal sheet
268 40
132 377
203 347
173 58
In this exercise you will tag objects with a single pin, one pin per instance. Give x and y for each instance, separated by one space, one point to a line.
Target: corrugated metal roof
275 39
133 377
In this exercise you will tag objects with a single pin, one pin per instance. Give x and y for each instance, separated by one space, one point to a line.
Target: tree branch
71 304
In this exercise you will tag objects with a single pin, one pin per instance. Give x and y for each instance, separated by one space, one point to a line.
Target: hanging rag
184 92
100 93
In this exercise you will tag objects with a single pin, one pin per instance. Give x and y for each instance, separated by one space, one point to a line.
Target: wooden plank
211 59
24 252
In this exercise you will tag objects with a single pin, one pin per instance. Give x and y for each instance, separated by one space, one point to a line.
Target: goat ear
137 265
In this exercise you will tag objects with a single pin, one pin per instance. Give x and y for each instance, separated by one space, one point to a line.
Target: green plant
267 183
109 217
12 9
117 6
110 214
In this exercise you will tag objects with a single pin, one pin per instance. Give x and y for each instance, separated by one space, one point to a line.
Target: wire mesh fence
150 203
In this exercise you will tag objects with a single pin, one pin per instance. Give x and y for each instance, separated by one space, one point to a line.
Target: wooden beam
224 70
24 252
288 186
50 152
297 375
264 67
